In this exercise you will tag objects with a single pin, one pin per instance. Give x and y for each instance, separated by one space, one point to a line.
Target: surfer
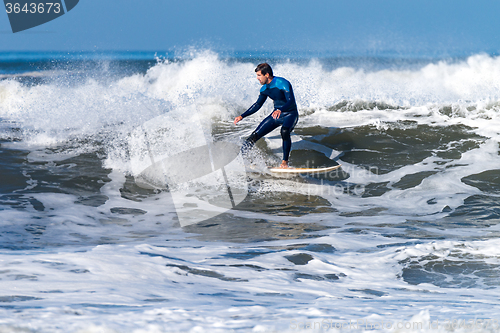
285 113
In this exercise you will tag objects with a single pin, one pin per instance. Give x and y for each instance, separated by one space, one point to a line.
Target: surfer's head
264 73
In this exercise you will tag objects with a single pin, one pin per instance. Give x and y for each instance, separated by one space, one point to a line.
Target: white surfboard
303 170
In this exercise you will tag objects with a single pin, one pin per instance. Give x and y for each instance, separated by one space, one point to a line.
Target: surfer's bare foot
284 165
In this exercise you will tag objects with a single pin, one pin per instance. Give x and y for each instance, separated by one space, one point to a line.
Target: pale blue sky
420 27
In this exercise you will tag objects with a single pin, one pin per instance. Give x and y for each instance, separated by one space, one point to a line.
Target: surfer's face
263 79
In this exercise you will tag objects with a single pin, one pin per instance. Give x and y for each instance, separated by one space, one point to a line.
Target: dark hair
264 68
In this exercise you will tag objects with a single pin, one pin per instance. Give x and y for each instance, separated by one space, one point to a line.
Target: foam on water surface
406 231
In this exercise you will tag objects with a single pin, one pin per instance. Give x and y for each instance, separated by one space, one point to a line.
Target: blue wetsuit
281 92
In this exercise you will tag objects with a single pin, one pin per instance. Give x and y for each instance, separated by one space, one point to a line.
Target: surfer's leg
289 123
249 142
266 126
287 142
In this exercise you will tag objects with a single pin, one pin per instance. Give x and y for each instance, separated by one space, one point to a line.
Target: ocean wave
215 90
413 210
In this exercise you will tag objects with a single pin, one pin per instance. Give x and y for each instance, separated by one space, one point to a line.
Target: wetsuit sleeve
256 106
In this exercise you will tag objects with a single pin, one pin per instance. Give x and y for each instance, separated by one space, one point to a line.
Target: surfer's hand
237 119
276 114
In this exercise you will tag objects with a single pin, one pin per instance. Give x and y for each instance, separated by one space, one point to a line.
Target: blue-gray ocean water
402 238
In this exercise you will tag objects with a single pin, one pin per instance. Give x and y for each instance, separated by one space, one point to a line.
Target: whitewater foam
86 250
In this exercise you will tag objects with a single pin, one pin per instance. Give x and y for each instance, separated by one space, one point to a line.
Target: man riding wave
285 113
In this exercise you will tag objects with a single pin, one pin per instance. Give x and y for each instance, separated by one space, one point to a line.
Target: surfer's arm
256 106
